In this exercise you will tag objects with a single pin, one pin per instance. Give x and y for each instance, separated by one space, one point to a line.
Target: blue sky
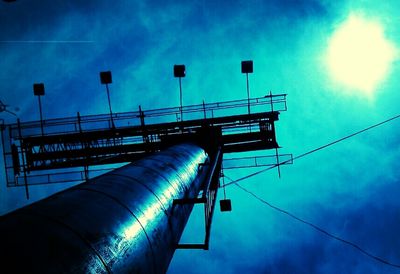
350 189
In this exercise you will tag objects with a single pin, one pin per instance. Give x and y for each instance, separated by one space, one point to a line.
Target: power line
314 150
317 228
357 247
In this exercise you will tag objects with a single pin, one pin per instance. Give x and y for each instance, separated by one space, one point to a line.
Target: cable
314 150
376 258
317 228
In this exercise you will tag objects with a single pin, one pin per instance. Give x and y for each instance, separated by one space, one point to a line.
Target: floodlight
247 66
38 89
105 77
225 205
179 71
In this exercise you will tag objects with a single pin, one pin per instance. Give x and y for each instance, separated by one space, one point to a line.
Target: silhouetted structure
130 219
120 222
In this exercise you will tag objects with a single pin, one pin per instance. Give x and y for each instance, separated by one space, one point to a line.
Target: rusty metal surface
121 222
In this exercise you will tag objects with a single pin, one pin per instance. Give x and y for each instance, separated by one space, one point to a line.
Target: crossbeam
83 141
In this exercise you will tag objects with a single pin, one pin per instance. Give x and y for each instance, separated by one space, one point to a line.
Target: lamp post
106 78
38 90
247 67
179 72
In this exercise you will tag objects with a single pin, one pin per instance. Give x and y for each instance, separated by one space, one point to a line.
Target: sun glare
359 56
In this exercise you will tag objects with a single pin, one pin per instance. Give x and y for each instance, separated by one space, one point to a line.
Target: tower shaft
123 221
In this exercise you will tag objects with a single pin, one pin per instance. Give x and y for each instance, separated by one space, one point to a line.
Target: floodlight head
105 77
247 66
225 205
38 89
179 71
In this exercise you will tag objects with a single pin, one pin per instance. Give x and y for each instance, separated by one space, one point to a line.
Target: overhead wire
317 228
313 150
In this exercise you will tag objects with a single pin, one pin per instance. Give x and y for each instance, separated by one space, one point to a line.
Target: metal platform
68 146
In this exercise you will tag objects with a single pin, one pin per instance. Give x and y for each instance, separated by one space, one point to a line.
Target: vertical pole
83 144
223 180
272 104
145 136
86 172
276 149
79 122
277 161
180 96
23 158
109 105
204 110
3 128
248 92
41 115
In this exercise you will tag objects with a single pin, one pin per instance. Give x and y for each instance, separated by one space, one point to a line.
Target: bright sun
359 56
